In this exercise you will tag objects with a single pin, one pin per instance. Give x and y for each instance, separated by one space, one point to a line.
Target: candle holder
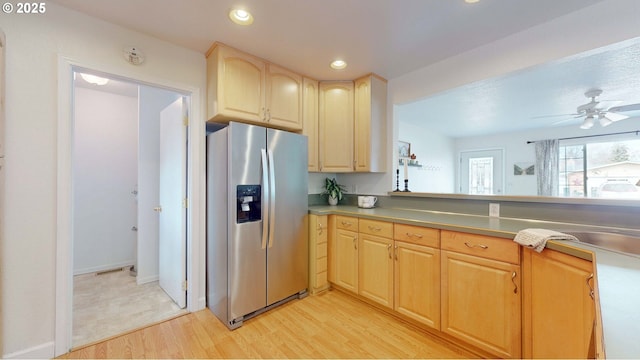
406 186
397 181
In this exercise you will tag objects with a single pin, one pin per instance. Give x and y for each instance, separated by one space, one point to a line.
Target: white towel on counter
537 238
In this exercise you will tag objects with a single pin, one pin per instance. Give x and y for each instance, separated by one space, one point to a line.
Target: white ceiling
393 38
388 37
532 98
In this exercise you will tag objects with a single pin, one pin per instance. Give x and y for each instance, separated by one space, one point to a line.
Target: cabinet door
417 283
481 303
284 98
310 120
318 231
370 111
236 85
347 260
336 126
559 311
375 269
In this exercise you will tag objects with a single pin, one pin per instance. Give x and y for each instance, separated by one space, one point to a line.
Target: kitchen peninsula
599 284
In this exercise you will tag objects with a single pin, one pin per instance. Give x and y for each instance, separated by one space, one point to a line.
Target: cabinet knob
513 280
389 251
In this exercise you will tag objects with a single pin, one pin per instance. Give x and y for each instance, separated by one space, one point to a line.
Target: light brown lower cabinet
474 288
375 269
417 283
481 292
559 310
318 235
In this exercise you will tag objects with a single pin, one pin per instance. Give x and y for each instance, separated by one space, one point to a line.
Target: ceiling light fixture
95 80
471 1
587 123
604 121
241 17
338 64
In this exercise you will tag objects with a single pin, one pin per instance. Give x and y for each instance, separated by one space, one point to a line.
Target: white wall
33 46
517 150
105 171
152 101
436 153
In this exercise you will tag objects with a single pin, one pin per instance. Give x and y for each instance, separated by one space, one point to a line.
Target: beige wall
34 45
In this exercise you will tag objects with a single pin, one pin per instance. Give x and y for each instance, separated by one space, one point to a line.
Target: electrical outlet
494 210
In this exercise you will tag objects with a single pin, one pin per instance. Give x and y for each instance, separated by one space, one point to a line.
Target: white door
172 207
481 172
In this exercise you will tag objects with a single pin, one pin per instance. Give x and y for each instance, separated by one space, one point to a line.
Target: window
600 169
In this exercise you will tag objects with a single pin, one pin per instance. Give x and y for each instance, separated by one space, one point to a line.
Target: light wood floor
112 303
330 325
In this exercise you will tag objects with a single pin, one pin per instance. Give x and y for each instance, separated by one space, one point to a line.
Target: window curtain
547 158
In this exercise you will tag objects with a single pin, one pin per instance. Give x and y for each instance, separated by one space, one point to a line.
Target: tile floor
110 304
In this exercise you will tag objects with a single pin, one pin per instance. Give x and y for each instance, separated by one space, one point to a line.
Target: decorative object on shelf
404 149
413 156
523 169
406 185
333 190
398 181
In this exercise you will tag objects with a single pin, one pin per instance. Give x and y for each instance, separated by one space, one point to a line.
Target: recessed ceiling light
471 1
241 17
338 64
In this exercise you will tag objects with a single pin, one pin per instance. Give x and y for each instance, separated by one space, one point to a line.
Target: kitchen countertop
617 273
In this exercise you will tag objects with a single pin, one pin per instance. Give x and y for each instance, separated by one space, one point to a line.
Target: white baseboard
106 267
147 279
42 351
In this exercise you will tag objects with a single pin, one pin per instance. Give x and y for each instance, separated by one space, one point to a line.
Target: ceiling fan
597 110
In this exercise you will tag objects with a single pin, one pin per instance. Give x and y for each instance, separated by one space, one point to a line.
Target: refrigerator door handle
265 199
272 198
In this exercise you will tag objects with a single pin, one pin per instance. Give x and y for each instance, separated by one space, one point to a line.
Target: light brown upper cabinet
310 120
284 98
245 88
336 126
370 150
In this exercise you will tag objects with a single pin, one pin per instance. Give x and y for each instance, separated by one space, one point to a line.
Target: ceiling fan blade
615 117
623 108
557 115
564 121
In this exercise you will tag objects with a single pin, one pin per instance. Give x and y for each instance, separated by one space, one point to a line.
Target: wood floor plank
331 325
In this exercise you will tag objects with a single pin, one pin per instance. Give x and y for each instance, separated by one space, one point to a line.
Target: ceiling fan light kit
606 115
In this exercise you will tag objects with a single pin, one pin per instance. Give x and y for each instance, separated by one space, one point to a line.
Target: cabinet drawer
321 265
417 235
480 245
321 279
346 223
321 250
377 228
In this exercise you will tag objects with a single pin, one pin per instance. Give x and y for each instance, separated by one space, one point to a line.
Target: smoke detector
133 56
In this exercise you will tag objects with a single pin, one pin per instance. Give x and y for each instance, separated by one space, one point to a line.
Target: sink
610 241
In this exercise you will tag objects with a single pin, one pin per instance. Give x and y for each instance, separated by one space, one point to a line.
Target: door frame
195 192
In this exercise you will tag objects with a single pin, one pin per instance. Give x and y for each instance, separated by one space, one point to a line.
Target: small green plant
333 189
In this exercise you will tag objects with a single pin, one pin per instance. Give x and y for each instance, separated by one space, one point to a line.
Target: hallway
112 303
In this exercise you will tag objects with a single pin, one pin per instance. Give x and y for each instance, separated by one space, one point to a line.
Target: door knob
157 209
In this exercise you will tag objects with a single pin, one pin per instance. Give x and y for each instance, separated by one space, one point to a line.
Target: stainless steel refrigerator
257 249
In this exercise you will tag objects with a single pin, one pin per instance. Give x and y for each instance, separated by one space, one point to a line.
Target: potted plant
333 190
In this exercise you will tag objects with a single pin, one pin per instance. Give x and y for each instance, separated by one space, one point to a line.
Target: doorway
482 172
121 281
